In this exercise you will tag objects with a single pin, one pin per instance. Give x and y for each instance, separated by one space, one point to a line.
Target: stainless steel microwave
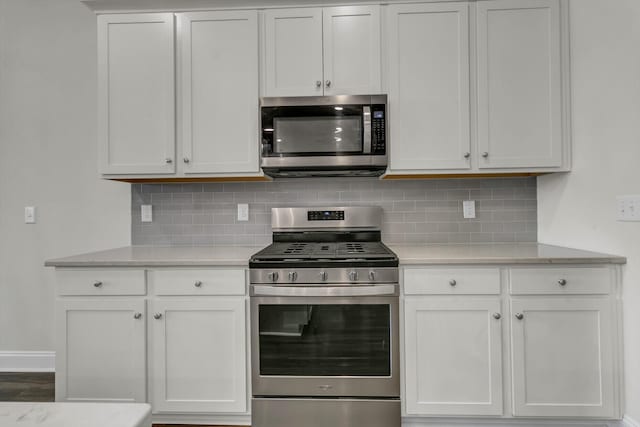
343 135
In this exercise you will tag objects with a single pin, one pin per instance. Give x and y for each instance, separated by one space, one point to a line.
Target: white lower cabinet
100 350
563 357
453 355
198 357
561 339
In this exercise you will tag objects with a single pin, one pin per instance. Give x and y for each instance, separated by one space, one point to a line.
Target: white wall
578 209
48 158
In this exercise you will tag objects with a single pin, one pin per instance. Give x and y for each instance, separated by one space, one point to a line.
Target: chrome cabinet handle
562 282
97 284
168 160
467 155
137 315
485 154
186 160
197 284
157 316
328 83
519 316
497 316
452 282
318 83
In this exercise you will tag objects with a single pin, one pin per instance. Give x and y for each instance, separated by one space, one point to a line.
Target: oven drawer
100 282
561 280
451 281
200 281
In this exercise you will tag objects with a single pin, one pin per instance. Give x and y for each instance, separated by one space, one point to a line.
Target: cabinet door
199 355
562 357
428 67
453 356
219 91
293 52
100 354
136 93
351 45
519 84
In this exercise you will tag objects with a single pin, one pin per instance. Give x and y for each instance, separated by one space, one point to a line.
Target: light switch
30 215
243 212
469 209
146 213
628 208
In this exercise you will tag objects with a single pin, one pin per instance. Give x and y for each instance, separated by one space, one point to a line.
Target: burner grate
295 248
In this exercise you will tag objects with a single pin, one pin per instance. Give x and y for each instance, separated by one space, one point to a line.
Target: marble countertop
58 414
500 253
497 253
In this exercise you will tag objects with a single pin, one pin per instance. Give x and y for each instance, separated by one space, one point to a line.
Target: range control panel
325 215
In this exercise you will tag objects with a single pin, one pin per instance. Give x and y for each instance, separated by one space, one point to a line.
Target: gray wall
427 211
48 159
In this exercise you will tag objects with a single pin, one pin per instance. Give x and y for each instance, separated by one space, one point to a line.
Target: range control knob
353 275
372 275
273 276
323 276
293 276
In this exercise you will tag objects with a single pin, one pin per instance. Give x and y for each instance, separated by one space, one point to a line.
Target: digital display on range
325 215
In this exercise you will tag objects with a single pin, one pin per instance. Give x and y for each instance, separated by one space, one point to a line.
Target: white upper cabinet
293 52
136 92
428 79
331 51
519 84
351 48
218 71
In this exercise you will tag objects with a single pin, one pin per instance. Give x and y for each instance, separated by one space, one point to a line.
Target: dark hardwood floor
27 386
40 387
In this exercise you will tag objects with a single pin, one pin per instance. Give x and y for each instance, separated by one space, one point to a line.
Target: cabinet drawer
451 281
199 281
100 281
564 280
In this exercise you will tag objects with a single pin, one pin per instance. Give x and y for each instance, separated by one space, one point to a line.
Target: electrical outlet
243 212
30 215
469 209
628 208
146 213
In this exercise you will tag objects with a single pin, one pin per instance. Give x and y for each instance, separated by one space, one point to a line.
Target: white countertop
161 256
58 414
497 253
500 253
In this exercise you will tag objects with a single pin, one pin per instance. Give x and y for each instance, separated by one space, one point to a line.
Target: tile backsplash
421 211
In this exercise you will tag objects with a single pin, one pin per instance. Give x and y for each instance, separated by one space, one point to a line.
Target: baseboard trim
627 421
27 361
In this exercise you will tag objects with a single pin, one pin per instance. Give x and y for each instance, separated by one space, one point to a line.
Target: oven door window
325 340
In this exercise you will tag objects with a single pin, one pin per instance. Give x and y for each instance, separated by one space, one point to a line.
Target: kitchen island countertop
210 256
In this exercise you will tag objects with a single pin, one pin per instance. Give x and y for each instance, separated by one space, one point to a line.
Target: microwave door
300 136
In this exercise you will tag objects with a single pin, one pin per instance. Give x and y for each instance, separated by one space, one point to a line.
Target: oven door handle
324 291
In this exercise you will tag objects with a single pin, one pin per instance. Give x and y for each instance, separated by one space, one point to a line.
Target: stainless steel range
324 308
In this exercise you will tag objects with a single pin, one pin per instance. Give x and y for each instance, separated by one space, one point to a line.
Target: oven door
325 341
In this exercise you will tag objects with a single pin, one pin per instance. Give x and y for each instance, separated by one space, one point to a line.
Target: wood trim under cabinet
463 175
192 180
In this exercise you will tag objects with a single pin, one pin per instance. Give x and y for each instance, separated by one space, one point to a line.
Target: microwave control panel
378 128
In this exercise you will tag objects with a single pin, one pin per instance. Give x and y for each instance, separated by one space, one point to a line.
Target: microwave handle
366 120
